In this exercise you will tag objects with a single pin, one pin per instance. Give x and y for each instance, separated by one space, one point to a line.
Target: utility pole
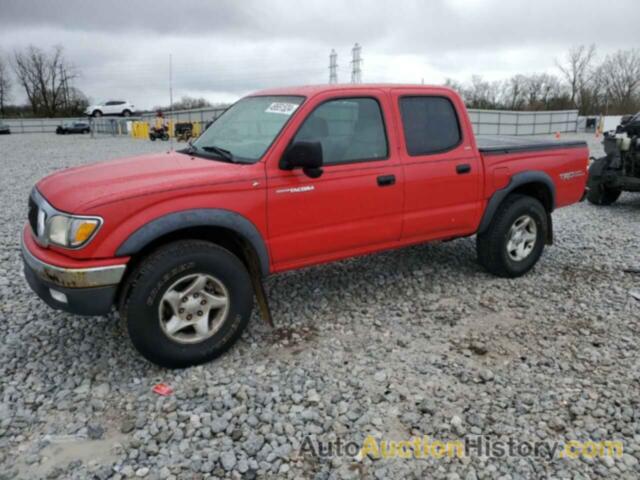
170 98
333 67
356 60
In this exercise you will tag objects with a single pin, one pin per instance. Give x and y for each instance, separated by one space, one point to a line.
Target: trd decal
569 175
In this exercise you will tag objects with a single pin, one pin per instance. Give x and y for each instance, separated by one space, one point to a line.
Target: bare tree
515 94
484 94
46 79
538 89
458 87
621 76
551 90
5 85
610 87
577 68
479 93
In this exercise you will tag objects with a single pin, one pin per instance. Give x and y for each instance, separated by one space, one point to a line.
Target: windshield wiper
225 154
220 153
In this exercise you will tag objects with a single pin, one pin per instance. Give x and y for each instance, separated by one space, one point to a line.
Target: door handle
386 180
463 168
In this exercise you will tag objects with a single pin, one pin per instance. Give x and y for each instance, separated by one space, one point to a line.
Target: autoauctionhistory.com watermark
476 446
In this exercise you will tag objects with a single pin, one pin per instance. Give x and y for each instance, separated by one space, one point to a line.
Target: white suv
111 107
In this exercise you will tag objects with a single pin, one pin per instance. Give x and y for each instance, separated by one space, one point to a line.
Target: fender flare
201 217
517 180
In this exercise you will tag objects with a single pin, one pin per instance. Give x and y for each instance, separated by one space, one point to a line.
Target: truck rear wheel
514 241
186 303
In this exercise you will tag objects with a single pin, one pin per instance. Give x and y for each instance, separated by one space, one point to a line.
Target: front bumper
83 291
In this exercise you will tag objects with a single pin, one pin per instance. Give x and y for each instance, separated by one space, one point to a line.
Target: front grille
33 215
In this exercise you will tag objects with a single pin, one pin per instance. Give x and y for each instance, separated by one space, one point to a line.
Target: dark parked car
73 127
4 129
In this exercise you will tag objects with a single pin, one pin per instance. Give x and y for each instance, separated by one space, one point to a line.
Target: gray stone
228 460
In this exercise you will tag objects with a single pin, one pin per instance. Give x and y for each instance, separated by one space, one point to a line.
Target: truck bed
495 145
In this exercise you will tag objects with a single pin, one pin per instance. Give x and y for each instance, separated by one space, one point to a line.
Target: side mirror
305 155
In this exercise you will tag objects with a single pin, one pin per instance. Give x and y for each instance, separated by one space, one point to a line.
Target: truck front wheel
186 303
514 240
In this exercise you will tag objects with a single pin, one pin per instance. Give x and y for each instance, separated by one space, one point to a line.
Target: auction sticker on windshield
282 108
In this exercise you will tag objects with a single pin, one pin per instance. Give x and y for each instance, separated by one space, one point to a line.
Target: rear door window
430 124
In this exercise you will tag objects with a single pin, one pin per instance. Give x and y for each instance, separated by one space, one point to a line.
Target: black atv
159 133
619 170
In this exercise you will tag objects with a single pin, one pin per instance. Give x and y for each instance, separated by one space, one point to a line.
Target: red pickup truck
286 178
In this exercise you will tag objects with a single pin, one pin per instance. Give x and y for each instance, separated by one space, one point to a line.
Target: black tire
145 287
152 138
491 245
599 194
126 113
96 113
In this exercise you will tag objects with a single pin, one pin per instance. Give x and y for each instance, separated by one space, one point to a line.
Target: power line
171 95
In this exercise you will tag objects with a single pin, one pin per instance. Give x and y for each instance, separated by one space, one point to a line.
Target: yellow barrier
140 130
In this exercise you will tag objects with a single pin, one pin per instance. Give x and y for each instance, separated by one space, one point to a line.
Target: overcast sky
225 49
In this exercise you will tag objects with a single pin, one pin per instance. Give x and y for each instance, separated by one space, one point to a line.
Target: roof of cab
311 90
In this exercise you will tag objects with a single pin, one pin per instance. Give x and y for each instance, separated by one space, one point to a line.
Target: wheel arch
224 227
536 184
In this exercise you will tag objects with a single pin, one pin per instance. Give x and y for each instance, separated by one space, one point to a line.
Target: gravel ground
407 343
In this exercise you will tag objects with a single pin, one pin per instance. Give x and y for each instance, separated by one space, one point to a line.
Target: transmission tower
356 61
333 67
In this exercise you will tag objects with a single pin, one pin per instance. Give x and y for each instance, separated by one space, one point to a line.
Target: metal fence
485 122
103 125
110 125
36 125
507 122
198 115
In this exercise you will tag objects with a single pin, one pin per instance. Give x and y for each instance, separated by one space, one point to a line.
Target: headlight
71 232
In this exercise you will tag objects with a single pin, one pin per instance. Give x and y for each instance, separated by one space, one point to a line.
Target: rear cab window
430 124
349 130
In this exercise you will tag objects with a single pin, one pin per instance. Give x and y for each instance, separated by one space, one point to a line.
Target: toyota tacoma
179 242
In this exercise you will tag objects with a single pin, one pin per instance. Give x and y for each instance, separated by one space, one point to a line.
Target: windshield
249 126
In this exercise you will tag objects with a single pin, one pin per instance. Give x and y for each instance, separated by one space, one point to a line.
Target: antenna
356 60
171 97
333 67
